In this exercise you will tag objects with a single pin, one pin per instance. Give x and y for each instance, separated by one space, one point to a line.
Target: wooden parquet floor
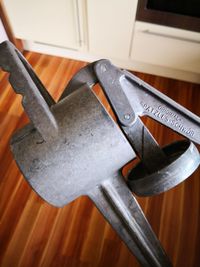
35 234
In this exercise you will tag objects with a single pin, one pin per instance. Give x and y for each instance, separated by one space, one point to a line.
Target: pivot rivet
127 116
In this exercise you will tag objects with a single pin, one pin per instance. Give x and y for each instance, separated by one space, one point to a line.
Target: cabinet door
110 25
3 35
45 21
165 46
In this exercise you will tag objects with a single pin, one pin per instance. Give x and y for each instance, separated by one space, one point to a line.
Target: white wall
3 35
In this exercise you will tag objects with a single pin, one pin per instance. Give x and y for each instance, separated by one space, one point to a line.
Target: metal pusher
74 147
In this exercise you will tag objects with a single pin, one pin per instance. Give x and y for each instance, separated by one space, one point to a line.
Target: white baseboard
126 64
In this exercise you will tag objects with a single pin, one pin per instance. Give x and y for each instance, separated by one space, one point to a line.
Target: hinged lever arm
150 102
112 80
36 100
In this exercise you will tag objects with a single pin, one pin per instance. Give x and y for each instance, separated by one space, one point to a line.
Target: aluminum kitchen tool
131 98
160 169
63 153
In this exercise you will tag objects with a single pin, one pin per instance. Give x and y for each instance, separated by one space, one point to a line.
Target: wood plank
33 233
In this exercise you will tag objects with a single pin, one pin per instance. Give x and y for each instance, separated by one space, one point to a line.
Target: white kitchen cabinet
50 22
167 47
3 35
92 29
110 26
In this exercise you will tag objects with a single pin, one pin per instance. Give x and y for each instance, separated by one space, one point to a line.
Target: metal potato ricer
74 147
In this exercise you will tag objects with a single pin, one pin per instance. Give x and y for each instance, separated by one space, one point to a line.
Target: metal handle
36 100
117 204
161 108
150 32
78 15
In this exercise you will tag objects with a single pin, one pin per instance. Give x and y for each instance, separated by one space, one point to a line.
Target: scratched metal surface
36 234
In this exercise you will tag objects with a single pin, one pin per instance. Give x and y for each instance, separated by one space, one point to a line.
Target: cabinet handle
79 19
149 32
